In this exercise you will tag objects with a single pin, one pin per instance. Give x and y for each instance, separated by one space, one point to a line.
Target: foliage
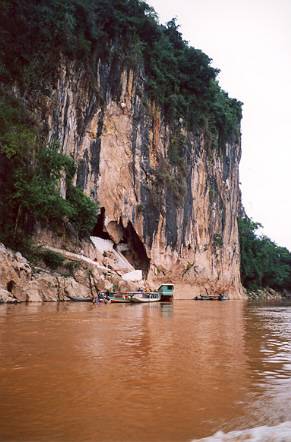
30 175
71 267
177 76
263 263
52 259
177 148
84 212
173 179
217 240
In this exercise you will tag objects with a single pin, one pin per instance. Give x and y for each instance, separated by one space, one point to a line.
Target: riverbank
77 277
81 275
267 294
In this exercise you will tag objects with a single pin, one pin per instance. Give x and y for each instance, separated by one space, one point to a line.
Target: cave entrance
10 286
133 249
125 241
99 229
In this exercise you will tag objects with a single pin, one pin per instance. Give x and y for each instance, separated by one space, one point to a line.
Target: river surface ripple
143 373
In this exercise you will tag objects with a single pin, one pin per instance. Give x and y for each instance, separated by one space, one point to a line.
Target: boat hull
166 298
79 299
120 299
166 292
211 298
146 297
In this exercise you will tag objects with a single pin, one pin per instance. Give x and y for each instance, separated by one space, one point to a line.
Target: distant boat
146 297
220 297
166 291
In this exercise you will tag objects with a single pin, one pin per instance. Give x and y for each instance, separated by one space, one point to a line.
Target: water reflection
158 372
166 309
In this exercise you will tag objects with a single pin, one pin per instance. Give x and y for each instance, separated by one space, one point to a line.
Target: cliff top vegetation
34 36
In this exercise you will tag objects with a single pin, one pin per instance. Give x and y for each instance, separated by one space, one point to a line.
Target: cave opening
133 249
125 241
99 229
10 286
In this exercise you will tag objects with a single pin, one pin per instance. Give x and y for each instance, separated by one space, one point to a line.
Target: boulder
43 287
15 272
6 297
134 276
75 291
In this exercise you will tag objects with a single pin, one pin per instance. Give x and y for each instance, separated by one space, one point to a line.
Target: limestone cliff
175 221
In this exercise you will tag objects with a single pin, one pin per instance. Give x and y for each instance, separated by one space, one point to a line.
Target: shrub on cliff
263 263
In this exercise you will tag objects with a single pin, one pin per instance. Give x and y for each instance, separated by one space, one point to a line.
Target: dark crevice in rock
99 229
82 171
95 148
151 214
114 78
171 219
134 250
10 286
188 206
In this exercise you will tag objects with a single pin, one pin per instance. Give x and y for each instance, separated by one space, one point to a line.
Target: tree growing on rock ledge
30 175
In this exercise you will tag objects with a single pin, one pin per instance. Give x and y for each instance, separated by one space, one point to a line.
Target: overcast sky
250 42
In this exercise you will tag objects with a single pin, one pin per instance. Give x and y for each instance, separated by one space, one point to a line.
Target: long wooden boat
79 299
220 297
146 297
164 293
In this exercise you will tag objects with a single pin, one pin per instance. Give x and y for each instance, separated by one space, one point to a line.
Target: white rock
136 275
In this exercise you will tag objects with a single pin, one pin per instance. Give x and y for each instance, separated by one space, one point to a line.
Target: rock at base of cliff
6 297
43 288
75 291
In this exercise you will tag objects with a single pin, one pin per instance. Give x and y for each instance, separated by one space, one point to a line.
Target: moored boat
79 299
220 297
166 291
120 297
146 297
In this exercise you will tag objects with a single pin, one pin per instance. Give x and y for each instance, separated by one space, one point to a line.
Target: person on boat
95 298
107 296
101 296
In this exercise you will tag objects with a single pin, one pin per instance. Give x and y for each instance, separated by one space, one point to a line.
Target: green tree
30 175
263 263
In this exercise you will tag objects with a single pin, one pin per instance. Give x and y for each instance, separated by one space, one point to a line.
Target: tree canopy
263 263
34 35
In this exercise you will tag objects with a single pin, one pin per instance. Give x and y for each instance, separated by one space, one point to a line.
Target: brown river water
77 372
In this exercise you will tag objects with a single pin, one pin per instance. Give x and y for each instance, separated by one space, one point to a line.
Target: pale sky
250 42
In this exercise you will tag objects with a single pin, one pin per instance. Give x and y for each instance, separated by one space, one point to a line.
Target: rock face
177 222
15 272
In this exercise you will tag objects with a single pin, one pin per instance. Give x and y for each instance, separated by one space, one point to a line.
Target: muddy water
160 372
